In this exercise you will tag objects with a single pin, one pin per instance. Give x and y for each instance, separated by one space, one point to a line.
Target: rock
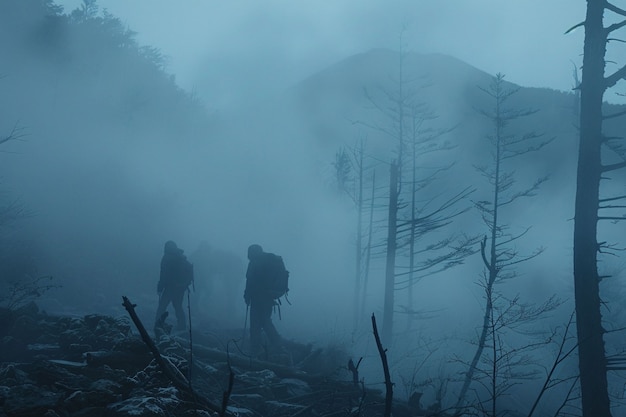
43 350
78 348
199 413
251 401
265 376
119 377
104 385
102 328
138 407
10 374
93 320
116 359
76 336
25 328
238 411
4 393
294 387
30 400
277 408
91 412
98 396
76 401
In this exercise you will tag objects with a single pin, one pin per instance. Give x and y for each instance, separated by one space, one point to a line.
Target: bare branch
614 115
615 26
383 358
613 167
614 9
604 200
574 27
16 133
483 245
612 79
560 357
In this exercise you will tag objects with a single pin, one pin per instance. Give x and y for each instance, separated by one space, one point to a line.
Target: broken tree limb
168 368
226 395
383 358
354 369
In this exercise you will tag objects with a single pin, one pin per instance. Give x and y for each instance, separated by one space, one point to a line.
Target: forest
453 238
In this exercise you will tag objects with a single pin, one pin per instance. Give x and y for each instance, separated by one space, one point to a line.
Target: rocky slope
98 365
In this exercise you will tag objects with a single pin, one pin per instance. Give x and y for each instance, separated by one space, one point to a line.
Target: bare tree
15 134
352 173
407 121
591 171
424 215
497 249
510 347
566 346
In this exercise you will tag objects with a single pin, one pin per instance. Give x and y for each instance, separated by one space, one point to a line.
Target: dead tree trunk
368 247
390 267
358 287
592 361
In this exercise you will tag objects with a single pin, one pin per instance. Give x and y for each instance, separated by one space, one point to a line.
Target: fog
229 136
230 53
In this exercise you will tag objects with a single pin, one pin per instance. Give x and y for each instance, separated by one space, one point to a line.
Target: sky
228 52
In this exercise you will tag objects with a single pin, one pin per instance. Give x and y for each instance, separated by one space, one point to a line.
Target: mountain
347 101
337 106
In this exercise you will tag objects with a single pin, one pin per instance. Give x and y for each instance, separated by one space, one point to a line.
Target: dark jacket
259 278
176 271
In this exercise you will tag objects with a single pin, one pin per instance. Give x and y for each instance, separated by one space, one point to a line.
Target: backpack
278 282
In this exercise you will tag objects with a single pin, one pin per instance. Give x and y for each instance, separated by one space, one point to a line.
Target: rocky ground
98 365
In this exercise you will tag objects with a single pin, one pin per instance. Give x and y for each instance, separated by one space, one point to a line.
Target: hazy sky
229 51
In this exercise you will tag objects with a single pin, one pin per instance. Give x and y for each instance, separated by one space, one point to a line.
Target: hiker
176 276
260 294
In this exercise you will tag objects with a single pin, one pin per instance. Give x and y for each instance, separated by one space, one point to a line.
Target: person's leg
255 328
164 300
177 302
266 323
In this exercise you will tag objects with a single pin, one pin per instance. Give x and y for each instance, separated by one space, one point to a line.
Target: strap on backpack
277 307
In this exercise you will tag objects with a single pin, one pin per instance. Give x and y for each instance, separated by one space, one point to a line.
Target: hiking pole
190 338
245 325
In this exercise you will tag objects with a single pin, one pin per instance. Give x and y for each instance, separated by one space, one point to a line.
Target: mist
136 123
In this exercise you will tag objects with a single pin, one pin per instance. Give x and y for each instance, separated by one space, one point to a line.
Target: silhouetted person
176 275
258 296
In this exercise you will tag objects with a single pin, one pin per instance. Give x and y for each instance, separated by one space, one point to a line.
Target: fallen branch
354 369
169 369
383 358
228 392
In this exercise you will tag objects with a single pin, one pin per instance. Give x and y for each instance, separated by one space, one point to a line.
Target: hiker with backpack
175 278
266 281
